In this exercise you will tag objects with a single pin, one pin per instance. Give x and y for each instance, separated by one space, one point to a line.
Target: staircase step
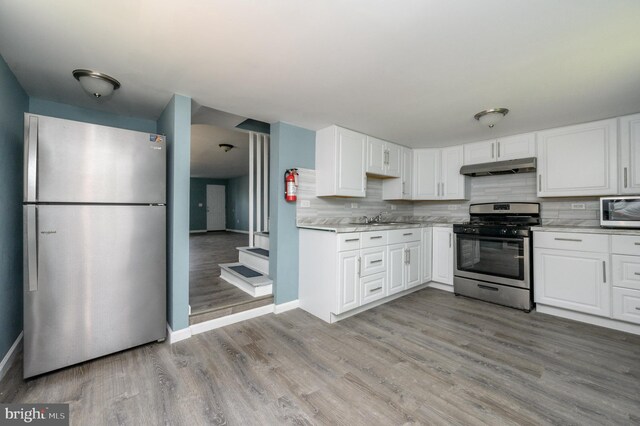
255 258
246 279
261 240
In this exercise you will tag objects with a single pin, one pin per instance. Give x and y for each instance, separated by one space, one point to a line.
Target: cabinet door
394 160
578 160
373 287
407 174
374 261
626 271
396 268
427 250
350 160
453 186
426 174
414 274
442 255
626 305
376 156
573 280
517 146
630 155
349 297
480 152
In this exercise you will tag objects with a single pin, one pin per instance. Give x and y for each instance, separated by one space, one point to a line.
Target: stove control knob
514 231
503 231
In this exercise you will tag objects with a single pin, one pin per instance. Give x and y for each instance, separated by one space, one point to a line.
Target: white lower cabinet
572 280
339 273
625 262
442 266
427 254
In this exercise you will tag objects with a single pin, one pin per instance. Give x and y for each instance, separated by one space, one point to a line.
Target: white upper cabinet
340 162
383 158
507 148
630 154
400 189
437 174
578 160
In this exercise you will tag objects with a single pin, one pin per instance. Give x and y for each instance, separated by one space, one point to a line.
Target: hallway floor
210 296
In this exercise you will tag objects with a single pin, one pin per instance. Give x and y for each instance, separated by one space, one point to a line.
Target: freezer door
100 285
74 162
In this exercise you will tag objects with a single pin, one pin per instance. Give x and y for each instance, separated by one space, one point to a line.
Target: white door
630 155
376 156
394 160
442 255
427 250
351 150
414 276
426 173
480 152
453 183
573 280
349 280
216 208
517 146
396 268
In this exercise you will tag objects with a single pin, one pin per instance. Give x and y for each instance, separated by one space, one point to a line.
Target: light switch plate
305 203
354 205
393 207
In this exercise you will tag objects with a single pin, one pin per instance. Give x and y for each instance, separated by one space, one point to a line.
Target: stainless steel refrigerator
94 241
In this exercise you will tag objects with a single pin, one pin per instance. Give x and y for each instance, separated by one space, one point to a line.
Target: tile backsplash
485 189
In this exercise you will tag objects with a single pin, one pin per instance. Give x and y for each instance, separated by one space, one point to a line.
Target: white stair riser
261 241
254 262
247 288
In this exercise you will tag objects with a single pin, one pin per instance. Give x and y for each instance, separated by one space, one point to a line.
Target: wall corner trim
178 335
11 356
284 307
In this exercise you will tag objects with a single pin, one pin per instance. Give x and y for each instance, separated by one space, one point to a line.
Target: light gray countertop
345 227
586 230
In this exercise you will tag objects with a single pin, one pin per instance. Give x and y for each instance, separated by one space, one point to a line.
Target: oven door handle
518 257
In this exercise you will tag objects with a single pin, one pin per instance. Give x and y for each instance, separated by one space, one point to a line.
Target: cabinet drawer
626 305
373 261
373 287
350 241
597 243
625 244
626 271
373 239
397 236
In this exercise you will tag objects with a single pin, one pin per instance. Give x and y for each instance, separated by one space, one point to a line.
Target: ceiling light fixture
227 147
95 83
490 117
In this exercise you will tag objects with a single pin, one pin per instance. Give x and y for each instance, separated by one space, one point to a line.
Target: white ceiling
414 72
209 160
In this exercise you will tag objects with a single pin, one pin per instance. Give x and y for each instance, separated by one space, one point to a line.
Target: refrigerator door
100 285
72 162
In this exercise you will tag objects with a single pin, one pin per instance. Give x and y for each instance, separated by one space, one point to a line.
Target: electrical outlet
305 203
578 206
354 205
393 207
453 207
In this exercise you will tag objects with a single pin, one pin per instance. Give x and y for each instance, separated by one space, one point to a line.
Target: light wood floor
209 295
427 358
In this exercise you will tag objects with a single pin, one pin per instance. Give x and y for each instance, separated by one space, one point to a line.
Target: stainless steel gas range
493 254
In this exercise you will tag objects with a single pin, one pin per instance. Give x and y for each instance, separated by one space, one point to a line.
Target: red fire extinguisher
290 184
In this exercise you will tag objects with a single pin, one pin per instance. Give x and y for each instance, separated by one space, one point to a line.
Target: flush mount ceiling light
489 117
227 147
96 83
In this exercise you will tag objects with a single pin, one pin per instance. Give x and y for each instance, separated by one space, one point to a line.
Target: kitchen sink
383 223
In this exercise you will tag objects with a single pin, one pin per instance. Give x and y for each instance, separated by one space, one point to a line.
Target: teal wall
238 203
13 104
198 195
70 112
175 123
291 147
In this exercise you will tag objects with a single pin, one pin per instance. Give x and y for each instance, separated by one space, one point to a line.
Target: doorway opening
229 223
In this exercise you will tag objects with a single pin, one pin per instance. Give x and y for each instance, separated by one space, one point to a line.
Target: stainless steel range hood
522 165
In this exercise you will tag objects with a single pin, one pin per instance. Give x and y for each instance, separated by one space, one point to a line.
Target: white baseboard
590 319
11 355
178 335
198 231
284 307
441 286
231 319
239 231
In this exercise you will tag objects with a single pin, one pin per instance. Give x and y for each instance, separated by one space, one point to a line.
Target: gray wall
13 104
175 123
291 147
238 203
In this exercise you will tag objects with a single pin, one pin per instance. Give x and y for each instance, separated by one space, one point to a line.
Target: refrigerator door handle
32 160
32 247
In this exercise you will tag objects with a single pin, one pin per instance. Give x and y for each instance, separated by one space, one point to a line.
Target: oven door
493 259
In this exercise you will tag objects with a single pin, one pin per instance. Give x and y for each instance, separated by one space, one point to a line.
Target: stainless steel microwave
620 212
